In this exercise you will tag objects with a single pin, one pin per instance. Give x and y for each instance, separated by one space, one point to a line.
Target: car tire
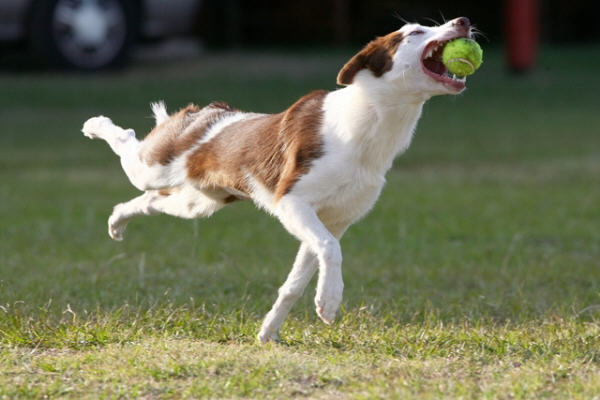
84 34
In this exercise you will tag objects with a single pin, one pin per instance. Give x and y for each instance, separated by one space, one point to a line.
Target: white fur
366 125
186 202
260 195
159 109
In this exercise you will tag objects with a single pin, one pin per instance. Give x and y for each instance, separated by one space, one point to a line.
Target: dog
318 166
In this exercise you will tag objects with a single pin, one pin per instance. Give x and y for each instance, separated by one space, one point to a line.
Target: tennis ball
462 56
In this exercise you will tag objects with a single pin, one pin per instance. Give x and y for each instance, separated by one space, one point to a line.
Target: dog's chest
360 142
351 200
341 190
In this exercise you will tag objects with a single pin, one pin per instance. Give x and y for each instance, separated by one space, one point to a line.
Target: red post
522 30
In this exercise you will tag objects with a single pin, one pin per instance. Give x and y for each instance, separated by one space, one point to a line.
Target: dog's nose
462 22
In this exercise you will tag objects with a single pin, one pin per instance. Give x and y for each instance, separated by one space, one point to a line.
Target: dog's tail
159 109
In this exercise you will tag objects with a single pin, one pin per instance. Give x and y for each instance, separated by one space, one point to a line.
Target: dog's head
408 60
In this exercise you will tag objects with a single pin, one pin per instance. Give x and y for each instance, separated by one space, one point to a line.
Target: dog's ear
351 68
375 56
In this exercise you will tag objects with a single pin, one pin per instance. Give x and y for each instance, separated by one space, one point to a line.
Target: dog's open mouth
431 62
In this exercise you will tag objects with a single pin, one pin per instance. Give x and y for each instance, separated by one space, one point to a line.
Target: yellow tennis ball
462 56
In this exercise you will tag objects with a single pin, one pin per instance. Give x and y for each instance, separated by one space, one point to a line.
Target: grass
476 275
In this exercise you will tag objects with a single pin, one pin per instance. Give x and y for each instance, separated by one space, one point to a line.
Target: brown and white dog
318 166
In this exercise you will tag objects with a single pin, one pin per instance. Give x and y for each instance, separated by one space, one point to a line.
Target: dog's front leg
300 219
304 268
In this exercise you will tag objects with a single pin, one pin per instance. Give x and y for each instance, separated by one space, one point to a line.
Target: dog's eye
418 32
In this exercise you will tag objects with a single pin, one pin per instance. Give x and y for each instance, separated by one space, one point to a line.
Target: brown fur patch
377 56
276 149
184 128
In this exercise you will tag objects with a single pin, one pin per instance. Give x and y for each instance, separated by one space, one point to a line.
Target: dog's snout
462 22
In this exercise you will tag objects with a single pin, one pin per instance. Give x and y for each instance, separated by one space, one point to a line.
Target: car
92 34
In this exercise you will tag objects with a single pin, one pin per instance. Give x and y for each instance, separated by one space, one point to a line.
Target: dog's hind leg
120 140
183 202
124 212
124 143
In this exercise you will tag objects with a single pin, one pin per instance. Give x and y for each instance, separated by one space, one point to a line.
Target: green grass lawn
476 275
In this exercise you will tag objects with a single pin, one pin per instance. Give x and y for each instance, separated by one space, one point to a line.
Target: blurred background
94 34
493 212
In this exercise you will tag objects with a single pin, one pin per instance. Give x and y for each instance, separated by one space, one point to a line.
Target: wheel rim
89 33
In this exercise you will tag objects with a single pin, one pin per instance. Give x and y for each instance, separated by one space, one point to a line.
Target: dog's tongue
434 66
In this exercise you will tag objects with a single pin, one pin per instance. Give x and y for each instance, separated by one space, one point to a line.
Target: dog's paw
327 302
116 225
93 127
265 337
326 313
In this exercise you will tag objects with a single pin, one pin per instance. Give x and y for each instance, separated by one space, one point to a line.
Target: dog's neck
378 125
